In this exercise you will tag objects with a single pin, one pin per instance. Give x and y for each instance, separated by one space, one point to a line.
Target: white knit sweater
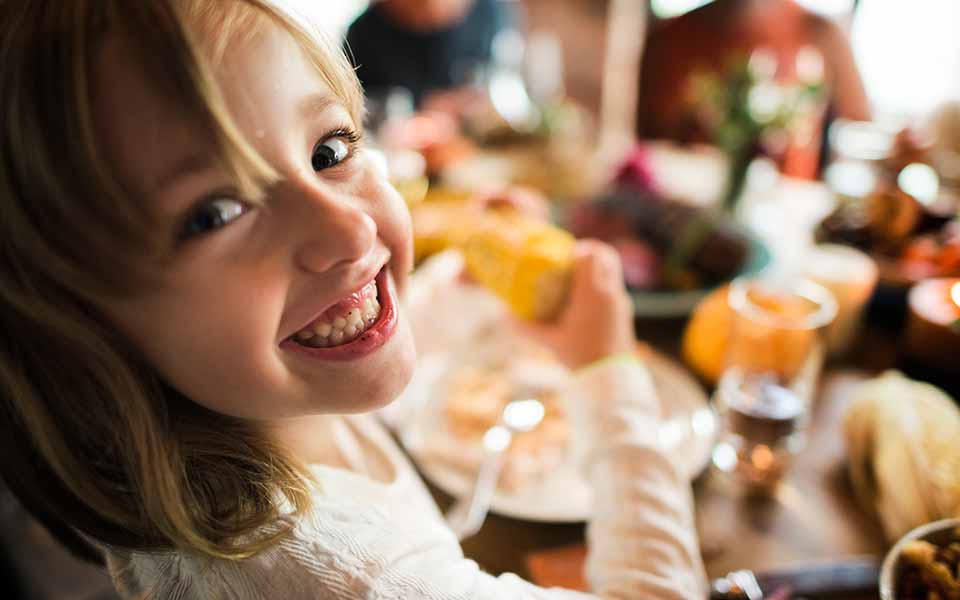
377 540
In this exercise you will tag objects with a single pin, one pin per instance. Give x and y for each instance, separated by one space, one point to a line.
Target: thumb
596 264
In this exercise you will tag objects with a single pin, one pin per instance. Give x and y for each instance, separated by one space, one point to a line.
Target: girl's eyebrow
188 165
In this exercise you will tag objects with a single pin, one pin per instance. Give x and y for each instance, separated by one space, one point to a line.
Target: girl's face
270 312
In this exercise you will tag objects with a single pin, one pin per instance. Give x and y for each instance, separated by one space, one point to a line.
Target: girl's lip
371 340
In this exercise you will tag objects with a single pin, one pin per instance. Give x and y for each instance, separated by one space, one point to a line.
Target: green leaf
956 326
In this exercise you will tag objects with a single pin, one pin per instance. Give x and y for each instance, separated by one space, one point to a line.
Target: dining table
812 520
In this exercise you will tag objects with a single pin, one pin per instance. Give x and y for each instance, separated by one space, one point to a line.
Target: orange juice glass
777 326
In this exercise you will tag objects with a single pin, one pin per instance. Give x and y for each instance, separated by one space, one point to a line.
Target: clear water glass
774 359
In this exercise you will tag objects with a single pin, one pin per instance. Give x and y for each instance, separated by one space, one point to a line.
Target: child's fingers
596 319
596 269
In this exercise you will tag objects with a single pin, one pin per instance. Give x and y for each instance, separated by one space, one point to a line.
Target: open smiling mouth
345 321
354 326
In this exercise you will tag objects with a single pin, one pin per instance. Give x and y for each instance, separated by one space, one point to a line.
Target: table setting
802 336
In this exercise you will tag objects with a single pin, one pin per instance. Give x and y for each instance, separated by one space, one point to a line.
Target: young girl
200 275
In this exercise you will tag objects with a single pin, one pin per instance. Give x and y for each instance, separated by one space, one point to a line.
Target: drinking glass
774 359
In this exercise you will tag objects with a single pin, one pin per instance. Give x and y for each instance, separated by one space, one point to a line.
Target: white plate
687 434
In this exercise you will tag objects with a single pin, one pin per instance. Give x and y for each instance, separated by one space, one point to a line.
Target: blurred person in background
706 39
424 45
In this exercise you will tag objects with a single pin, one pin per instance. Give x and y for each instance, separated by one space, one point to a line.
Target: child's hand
598 319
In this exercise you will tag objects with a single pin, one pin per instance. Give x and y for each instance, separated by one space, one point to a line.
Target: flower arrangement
748 113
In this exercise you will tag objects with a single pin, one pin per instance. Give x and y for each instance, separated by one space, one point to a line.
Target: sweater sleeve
641 537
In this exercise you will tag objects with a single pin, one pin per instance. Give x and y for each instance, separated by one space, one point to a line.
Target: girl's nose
336 230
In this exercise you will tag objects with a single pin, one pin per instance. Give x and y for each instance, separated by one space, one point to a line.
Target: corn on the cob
438 226
444 219
526 262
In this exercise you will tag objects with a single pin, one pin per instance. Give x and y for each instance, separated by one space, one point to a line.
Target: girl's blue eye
212 215
329 153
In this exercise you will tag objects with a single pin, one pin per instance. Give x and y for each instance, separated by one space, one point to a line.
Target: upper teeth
342 328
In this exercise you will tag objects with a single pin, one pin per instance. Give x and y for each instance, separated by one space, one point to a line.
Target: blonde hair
93 440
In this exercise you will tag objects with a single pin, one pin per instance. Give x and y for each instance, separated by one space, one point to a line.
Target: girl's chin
399 371
385 381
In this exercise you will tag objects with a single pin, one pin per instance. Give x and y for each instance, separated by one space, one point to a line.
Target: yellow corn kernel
527 263
438 226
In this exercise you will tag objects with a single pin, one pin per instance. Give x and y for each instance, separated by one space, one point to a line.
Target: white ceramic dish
688 432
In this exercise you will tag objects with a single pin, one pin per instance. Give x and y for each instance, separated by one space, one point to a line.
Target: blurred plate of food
900 203
539 481
911 239
923 563
473 362
673 253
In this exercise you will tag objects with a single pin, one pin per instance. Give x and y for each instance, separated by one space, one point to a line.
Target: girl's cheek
389 211
395 227
401 230
389 205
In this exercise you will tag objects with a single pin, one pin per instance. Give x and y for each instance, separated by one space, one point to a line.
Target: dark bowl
936 533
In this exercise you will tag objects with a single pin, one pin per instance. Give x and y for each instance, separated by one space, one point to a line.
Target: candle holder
932 349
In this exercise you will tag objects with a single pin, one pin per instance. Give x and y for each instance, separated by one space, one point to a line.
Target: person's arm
641 537
848 95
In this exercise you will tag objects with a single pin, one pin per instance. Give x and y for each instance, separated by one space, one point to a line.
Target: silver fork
469 512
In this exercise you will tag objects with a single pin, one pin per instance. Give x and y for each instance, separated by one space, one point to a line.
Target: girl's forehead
267 78
268 84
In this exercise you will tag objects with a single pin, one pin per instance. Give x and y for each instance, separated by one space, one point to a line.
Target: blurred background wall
908 52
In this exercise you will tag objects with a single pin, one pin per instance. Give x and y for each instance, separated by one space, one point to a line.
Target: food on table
905 216
902 451
893 215
663 244
709 344
442 222
525 261
707 335
905 253
927 570
475 399
932 255
882 221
